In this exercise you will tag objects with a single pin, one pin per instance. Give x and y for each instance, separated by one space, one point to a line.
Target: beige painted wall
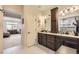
30 25
1 31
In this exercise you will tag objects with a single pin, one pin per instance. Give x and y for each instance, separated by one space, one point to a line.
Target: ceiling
48 7
10 13
45 9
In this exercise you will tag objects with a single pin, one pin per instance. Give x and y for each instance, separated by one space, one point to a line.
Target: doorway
12 28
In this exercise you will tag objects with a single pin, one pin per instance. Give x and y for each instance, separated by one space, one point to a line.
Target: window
11 25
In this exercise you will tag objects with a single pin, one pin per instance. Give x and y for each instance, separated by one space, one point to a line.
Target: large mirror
69 25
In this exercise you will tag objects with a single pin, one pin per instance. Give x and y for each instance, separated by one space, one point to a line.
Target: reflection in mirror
66 25
48 24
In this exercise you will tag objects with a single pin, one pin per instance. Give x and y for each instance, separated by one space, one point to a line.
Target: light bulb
63 14
66 11
44 17
75 8
71 9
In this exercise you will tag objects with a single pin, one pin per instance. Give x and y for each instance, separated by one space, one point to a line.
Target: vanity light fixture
69 10
75 8
66 11
45 17
63 13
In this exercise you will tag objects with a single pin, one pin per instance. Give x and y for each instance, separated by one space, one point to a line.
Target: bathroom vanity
61 32
55 40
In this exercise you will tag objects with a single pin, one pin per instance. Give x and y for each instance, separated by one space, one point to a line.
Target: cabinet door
58 42
77 51
51 42
71 42
50 38
42 39
39 38
51 45
78 46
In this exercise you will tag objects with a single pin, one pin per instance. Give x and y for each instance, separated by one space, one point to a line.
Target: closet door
1 30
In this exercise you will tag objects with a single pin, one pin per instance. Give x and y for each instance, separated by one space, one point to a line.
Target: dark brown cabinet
42 39
50 38
54 21
58 42
78 46
51 42
39 38
51 45
54 42
71 42
47 40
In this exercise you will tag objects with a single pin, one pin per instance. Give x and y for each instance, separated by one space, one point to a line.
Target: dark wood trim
54 21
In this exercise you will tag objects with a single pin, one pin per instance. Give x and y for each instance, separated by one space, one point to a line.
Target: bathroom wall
31 28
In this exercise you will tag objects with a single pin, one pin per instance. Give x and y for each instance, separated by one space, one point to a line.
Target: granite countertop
57 34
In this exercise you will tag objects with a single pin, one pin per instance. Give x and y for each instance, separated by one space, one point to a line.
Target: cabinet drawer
50 38
44 43
39 41
39 38
50 45
42 39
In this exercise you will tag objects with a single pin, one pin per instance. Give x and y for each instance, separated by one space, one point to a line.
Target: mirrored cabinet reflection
66 25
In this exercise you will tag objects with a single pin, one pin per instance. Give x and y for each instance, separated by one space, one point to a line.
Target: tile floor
38 49
11 41
66 50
